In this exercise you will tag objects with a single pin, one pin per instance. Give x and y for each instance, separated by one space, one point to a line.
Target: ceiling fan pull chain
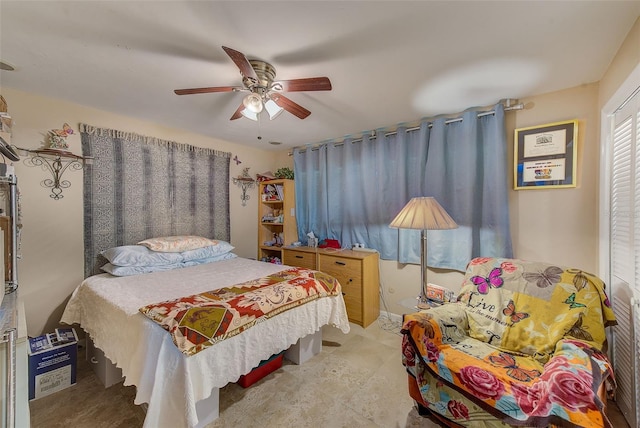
259 127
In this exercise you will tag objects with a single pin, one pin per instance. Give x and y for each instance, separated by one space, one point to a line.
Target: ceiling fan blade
206 90
242 62
290 106
308 84
238 114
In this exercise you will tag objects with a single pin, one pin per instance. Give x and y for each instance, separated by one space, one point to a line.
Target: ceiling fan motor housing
266 74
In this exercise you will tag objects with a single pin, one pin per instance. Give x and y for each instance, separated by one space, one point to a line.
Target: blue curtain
351 191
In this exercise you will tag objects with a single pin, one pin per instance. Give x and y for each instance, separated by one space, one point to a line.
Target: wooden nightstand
357 272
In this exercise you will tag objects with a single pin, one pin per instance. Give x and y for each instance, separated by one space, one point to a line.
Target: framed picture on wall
546 156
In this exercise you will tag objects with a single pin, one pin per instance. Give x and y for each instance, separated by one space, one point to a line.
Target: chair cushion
527 307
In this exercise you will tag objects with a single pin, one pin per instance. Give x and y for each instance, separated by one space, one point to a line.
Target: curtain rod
508 107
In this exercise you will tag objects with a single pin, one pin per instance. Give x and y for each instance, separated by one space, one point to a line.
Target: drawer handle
340 263
299 257
93 360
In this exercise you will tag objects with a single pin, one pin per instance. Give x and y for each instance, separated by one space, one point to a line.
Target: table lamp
423 213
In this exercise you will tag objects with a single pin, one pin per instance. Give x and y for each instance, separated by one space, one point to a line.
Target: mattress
106 307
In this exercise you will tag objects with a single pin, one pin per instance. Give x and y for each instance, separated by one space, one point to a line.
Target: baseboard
391 316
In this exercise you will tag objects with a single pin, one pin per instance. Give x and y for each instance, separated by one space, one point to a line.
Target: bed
183 390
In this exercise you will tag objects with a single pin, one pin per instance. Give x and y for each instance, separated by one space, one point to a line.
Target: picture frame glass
545 156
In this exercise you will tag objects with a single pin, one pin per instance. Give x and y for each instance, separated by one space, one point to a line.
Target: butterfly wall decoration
64 132
57 137
236 160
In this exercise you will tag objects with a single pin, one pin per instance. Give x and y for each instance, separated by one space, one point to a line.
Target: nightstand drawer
341 267
301 259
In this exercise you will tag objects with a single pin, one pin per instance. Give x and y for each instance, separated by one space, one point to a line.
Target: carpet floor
356 381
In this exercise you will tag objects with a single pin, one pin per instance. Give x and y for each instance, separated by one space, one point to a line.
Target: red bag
330 243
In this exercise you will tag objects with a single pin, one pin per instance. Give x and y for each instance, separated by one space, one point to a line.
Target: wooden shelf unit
287 229
357 272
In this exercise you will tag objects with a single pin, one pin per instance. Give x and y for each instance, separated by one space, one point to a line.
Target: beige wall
52 249
626 60
560 225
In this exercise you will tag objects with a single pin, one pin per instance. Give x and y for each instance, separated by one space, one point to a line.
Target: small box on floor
52 362
264 368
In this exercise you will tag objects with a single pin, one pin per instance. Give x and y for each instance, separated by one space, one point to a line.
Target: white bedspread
106 307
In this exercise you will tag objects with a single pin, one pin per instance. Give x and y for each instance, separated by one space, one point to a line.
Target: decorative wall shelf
245 182
57 162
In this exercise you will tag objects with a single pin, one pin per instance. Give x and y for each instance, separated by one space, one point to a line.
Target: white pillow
177 244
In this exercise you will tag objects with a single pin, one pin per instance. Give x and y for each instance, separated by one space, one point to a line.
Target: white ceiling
388 61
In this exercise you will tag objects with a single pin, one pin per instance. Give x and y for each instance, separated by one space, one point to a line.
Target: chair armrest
450 317
589 364
585 351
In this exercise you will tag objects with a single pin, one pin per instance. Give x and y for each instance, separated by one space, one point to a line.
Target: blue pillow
217 258
137 270
222 247
139 255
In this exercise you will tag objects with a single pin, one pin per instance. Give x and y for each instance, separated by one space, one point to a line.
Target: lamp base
423 305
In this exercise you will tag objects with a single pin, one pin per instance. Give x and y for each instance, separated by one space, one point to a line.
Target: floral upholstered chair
524 345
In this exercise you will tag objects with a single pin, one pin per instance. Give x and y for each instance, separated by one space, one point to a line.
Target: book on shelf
280 191
271 193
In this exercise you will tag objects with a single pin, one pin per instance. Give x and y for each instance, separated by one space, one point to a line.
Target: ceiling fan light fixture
273 109
253 102
249 114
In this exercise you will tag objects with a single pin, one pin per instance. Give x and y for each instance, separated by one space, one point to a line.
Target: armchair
524 345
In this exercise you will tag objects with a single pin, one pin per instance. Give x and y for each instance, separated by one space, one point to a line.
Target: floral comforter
521 347
199 321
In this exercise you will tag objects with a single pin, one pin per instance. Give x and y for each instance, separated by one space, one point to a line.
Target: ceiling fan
265 93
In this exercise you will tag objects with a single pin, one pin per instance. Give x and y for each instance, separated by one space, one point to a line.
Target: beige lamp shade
423 213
